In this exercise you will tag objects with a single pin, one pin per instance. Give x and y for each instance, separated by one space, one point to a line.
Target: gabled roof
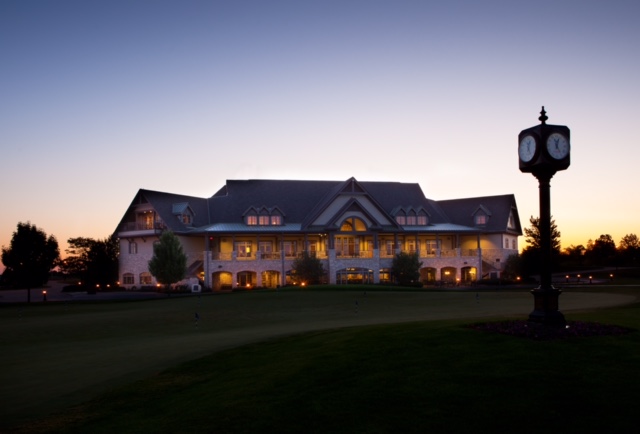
301 201
461 212
166 205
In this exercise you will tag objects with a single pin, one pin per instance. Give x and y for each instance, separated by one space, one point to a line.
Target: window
401 219
252 220
345 246
481 219
411 220
422 220
186 219
133 249
263 220
389 248
127 279
276 220
353 224
513 244
289 248
506 243
243 249
266 249
145 278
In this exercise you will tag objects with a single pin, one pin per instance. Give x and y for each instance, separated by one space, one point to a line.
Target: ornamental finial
543 116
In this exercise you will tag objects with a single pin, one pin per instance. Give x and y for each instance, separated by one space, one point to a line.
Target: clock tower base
545 311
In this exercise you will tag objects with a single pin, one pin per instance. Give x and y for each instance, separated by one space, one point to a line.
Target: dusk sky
101 98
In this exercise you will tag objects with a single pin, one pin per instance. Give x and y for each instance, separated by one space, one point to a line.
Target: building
250 231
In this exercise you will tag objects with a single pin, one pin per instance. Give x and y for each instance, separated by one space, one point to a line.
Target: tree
532 235
512 267
405 268
602 251
307 269
168 263
94 262
573 256
629 247
30 257
531 255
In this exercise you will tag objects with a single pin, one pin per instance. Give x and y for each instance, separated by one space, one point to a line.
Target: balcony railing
143 226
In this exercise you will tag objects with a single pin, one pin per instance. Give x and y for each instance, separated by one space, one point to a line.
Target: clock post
543 150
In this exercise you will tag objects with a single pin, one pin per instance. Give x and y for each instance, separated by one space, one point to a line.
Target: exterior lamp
44 295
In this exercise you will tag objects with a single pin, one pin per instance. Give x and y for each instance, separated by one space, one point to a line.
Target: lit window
481 219
422 220
289 248
243 249
401 220
252 220
276 220
263 220
353 224
411 220
145 278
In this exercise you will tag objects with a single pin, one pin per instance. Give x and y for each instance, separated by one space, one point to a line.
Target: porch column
207 258
479 259
283 277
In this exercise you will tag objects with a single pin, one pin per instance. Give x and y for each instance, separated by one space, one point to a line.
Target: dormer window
423 219
263 216
401 219
411 218
481 216
183 212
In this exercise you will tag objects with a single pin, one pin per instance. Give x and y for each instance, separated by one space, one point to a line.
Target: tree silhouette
405 268
169 263
94 262
30 257
531 255
308 269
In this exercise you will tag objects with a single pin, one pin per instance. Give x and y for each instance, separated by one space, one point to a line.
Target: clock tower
543 150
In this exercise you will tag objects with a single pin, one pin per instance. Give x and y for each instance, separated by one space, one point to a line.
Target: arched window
353 224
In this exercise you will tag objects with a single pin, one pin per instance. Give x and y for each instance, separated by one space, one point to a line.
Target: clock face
557 146
527 148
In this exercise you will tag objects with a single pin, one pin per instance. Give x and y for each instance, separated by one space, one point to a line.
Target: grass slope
437 375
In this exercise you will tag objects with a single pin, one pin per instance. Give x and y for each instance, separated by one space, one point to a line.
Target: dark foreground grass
439 376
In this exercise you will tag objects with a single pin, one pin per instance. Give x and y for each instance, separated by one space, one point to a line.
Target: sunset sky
101 98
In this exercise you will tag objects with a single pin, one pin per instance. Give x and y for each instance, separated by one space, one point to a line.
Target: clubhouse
249 232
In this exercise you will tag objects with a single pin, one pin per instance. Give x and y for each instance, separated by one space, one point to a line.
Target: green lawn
315 361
